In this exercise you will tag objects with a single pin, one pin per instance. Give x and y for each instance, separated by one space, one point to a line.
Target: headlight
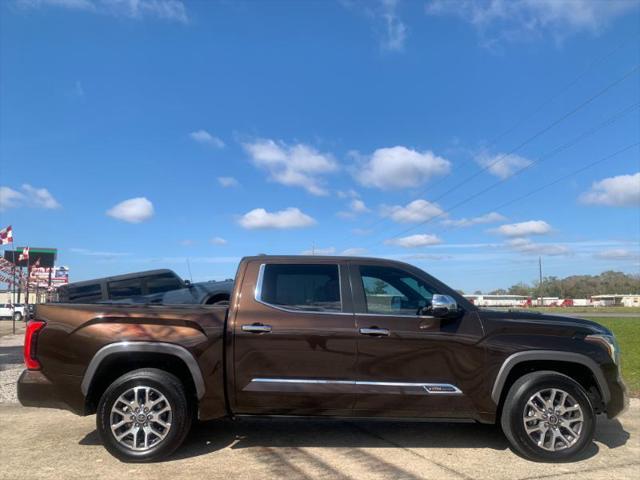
608 342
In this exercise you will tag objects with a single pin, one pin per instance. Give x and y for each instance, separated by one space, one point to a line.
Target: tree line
576 286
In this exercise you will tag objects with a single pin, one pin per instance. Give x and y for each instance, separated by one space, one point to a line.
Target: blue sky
135 135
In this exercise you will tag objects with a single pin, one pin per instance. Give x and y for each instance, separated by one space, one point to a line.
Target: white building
499 300
610 300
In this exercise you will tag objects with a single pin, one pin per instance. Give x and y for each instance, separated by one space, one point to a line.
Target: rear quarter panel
75 333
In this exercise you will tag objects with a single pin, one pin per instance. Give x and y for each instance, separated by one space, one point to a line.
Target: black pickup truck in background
161 287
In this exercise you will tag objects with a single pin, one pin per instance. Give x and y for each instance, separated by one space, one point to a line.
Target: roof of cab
321 259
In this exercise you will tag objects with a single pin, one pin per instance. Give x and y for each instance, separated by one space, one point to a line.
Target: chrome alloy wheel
140 418
553 419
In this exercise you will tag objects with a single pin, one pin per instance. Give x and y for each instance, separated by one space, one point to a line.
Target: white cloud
356 207
400 167
414 212
29 197
426 256
170 10
395 32
134 210
202 136
620 191
354 252
187 242
524 229
526 246
319 251
296 165
413 241
383 14
501 165
287 218
347 194
515 20
618 254
39 197
10 198
228 182
218 241
470 222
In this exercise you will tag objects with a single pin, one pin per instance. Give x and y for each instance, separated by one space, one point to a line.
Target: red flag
24 255
6 235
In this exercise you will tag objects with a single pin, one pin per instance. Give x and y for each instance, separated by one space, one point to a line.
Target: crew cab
324 337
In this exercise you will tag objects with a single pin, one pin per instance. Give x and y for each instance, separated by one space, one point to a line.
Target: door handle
375 332
256 328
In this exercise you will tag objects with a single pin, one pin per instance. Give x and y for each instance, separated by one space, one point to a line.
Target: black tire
513 409
180 423
17 316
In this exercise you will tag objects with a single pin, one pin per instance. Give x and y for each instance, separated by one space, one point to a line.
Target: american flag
6 235
24 255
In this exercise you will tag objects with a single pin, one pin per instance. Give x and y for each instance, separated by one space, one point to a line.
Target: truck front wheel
547 416
143 416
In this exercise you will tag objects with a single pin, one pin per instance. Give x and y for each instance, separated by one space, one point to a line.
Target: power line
531 138
561 178
561 91
543 131
564 177
542 159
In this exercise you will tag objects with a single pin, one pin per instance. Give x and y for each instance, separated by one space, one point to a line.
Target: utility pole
540 281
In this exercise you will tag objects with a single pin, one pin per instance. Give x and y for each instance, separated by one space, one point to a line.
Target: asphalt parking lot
52 444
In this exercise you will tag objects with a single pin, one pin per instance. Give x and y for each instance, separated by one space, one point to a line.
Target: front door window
392 291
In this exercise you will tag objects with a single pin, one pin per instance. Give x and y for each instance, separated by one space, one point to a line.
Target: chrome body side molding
145 347
303 385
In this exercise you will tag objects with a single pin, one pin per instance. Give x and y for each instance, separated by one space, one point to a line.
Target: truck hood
587 326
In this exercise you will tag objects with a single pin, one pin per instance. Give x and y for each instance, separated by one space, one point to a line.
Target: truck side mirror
443 305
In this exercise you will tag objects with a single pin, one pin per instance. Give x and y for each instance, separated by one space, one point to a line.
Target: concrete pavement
52 444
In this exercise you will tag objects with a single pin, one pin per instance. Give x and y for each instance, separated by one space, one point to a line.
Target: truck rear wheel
547 416
143 416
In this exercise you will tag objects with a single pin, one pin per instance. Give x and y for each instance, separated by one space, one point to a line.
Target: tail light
31 343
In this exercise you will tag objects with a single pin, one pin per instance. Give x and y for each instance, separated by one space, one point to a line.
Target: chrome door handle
257 328
375 332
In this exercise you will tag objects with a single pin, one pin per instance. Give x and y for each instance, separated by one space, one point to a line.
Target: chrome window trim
451 389
362 314
257 294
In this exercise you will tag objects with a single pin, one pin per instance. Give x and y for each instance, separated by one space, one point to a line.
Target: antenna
189 268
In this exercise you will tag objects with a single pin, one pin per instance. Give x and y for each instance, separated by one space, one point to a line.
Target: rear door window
125 288
83 293
164 282
312 287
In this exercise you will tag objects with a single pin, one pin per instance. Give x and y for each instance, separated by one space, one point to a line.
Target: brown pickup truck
323 336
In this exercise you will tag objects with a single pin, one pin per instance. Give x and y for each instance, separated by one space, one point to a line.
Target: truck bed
86 329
